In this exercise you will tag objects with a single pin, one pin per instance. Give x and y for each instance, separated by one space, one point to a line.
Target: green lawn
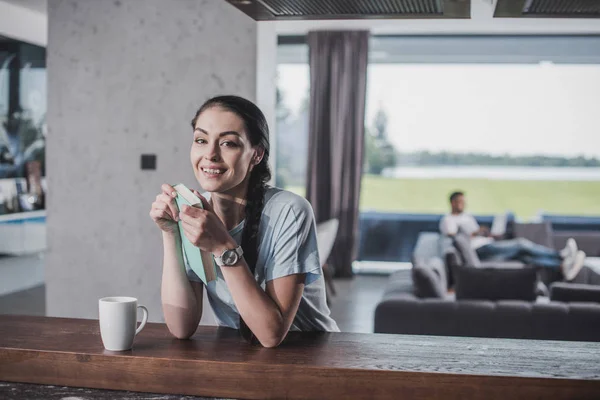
524 198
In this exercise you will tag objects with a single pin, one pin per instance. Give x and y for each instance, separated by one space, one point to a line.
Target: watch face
230 257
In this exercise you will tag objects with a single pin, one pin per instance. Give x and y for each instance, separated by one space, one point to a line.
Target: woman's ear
259 153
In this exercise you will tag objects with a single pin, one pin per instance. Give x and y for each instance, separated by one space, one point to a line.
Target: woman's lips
212 172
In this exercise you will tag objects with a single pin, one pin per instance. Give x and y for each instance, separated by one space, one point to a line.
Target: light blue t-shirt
287 243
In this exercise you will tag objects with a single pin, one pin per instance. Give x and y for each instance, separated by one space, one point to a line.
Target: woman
259 235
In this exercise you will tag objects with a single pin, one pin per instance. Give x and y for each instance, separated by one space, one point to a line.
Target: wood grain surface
30 391
218 362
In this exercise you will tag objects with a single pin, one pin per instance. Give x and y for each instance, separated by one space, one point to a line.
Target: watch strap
219 259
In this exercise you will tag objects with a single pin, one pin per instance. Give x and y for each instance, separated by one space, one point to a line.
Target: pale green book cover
200 262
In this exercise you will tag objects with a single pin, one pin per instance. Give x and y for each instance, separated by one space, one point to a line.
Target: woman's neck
229 209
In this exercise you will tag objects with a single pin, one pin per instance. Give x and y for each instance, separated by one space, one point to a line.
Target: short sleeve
472 225
294 243
448 226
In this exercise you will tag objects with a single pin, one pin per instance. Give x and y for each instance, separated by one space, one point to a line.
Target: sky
546 109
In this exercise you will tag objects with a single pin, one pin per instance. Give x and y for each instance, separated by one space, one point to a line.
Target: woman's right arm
181 299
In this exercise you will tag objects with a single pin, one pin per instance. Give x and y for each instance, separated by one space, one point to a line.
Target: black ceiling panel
265 10
548 8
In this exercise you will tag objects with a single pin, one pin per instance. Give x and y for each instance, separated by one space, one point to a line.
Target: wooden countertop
218 362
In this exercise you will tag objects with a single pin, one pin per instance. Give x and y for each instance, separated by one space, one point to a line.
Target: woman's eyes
226 143
229 143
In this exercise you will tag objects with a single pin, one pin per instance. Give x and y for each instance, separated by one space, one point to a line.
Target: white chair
326 235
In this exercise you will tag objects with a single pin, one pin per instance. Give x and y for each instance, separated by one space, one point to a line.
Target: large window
293 91
519 137
22 126
516 129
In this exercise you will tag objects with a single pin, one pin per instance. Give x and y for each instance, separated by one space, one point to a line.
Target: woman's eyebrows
220 134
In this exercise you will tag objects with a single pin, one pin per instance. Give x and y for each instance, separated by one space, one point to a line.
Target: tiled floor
25 302
353 307
20 273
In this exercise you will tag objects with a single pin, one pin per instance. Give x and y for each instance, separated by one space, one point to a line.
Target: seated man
569 260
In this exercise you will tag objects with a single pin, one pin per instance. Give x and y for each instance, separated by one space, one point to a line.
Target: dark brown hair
258 134
454 195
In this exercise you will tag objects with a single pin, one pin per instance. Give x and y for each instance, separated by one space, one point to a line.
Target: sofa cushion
574 292
584 321
445 244
429 278
399 282
469 311
537 232
550 321
589 274
398 312
496 283
468 254
512 319
588 241
427 246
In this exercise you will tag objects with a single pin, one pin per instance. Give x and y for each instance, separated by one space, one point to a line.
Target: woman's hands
204 229
164 210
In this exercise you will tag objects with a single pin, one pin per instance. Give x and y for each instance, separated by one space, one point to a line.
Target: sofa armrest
574 292
503 264
452 260
589 242
403 313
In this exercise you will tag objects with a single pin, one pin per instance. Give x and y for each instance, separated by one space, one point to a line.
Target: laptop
499 225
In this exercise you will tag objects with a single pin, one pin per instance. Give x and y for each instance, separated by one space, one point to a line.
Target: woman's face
222 155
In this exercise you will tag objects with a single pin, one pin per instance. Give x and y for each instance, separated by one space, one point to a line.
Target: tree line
448 158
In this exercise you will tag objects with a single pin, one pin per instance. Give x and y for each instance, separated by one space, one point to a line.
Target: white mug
118 320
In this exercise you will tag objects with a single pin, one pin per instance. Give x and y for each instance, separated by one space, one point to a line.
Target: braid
254 207
257 130
255 198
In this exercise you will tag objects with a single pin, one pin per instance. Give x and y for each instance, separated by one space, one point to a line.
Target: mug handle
144 319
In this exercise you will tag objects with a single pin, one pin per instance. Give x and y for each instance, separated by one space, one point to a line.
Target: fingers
169 190
163 202
168 196
162 206
191 215
191 230
205 202
157 214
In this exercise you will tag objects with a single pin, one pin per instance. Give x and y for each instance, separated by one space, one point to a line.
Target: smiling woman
273 229
222 155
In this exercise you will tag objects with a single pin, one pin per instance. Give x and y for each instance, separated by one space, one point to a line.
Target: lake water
497 173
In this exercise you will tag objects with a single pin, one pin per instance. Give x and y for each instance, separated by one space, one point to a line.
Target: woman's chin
209 186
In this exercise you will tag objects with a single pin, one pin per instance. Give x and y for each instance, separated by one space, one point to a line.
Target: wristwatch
229 257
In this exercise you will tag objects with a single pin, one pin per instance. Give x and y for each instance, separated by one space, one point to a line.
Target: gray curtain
338 81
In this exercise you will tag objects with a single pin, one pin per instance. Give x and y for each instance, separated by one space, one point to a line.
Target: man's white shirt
451 224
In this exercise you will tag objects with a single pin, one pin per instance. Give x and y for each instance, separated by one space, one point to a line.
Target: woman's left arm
270 314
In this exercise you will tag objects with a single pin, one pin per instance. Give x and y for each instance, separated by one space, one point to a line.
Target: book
201 262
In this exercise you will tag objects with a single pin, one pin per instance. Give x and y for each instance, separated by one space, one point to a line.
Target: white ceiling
35 5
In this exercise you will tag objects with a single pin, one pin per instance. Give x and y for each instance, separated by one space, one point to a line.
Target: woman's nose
213 153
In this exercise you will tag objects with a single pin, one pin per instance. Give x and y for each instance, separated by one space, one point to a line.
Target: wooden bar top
218 362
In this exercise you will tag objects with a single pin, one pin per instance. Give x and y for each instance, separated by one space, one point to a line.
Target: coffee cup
118 320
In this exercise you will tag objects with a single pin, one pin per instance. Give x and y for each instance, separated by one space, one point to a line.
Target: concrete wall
125 78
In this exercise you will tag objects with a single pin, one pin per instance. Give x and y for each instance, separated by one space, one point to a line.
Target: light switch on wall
148 161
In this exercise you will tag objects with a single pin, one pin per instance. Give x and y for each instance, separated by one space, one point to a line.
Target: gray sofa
501 300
